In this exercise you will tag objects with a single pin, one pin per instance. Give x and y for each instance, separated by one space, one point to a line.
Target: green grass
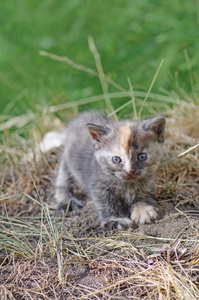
132 38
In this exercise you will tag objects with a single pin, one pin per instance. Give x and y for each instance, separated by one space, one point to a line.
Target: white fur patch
52 139
143 213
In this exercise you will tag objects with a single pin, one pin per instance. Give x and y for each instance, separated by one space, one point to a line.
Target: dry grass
45 254
43 257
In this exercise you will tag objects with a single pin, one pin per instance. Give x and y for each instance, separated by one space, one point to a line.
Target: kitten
114 164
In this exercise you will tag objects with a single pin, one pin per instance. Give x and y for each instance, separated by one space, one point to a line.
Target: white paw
143 213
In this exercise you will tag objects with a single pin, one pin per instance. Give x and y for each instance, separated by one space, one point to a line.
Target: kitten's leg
144 213
61 188
63 191
108 215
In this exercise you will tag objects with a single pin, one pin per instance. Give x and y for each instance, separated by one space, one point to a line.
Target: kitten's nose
131 172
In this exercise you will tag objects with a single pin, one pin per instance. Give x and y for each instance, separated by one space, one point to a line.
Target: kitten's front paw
143 213
117 223
112 225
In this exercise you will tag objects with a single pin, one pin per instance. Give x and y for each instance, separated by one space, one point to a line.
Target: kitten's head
129 150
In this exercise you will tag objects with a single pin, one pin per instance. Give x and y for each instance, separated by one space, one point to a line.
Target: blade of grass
101 74
76 66
152 83
70 62
117 283
115 95
54 235
188 150
120 108
133 99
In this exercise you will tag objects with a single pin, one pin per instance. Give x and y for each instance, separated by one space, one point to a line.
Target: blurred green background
132 38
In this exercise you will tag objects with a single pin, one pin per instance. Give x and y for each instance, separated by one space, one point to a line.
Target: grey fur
87 171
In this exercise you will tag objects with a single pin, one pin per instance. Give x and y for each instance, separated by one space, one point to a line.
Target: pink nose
131 172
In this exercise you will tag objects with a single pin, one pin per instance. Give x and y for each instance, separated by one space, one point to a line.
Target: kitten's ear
97 132
156 125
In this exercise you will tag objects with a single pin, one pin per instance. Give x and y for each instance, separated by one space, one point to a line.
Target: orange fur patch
125 133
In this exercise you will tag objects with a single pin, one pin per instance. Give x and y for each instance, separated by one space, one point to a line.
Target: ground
50 254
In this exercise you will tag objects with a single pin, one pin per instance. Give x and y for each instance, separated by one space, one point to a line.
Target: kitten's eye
116 159
142 157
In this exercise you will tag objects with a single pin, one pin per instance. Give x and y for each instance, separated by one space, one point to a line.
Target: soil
173 224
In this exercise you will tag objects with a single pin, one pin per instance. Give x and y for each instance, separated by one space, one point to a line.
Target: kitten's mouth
132 177
129 177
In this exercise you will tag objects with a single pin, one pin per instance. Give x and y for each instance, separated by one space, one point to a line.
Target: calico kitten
114 164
